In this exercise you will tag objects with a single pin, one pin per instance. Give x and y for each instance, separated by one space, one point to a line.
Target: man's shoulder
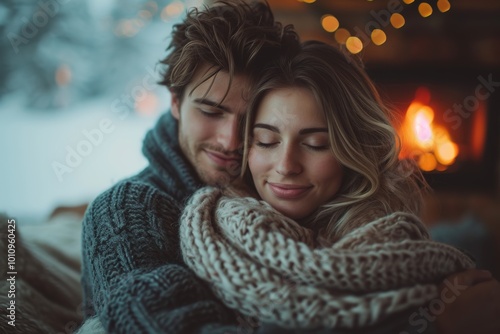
132 194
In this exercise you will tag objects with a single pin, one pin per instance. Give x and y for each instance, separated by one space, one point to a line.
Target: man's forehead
215 88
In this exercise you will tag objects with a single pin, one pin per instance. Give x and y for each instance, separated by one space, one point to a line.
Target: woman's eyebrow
267 127
312 130
305 131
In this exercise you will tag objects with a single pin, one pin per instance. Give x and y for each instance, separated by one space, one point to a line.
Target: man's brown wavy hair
236 37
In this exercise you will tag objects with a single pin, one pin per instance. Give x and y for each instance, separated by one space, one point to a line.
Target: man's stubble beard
193 154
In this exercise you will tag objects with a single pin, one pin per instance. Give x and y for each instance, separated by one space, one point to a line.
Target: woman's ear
175 106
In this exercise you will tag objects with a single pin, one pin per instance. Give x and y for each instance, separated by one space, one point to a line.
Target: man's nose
230 136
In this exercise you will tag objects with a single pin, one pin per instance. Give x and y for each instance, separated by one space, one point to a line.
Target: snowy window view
78 92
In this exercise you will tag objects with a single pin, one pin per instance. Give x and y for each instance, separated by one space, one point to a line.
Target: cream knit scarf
265 265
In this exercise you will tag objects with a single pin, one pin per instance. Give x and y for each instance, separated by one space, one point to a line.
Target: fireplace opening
448 123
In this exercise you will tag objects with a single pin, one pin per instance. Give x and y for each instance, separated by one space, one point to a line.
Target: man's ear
175 106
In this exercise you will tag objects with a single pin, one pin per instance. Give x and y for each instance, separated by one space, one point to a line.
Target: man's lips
288 191
223 160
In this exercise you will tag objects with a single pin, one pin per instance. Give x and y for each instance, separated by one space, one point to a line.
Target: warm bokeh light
422 126
307 1
425 9
329 23
427 162
354 45
479 128
446 153
428 143
63 75
443 5
145 14
408 1
378 37
126 28
423 95
147 105
397 20
341 35
173 9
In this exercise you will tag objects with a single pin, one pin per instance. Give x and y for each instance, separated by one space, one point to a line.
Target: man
134 279
133 276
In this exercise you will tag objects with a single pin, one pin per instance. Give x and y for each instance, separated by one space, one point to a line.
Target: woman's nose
288 162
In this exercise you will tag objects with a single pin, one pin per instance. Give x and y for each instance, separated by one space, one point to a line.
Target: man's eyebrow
301 132
212 104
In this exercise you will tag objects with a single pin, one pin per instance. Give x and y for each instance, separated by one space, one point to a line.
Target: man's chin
216 178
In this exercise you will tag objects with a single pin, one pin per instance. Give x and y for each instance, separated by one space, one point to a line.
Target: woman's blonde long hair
375 181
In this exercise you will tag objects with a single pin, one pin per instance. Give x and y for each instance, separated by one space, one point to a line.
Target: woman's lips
288 191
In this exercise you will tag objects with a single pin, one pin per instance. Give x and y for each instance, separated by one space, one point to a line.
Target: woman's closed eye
265 144
317 147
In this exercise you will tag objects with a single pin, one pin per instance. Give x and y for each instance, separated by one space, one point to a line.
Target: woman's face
291 161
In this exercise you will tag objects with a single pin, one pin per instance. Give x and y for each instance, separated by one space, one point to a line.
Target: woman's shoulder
381 228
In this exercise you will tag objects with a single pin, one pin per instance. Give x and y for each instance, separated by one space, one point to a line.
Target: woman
332 239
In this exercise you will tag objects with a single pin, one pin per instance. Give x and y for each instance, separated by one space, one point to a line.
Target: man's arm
132 276
474 305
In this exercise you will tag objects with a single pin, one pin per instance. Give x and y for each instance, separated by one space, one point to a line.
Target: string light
443 5
354 45
425 9
378 37
397 20
341 35
329 23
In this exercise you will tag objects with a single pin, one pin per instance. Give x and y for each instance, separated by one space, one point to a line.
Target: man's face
208 125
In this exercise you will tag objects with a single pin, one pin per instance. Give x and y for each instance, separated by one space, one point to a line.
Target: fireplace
449 121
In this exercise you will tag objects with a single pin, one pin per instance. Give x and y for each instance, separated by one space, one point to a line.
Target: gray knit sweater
133 277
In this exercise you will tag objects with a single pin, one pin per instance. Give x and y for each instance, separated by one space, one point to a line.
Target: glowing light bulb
354 45
443 5
397 20
330 23
341 35
425 9
378 37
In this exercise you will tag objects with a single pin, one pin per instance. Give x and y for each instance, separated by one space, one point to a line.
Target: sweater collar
161 148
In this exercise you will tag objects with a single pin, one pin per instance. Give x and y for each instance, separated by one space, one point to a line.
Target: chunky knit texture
134 280
133 276
268 266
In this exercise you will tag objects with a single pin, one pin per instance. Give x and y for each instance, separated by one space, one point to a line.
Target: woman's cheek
256 161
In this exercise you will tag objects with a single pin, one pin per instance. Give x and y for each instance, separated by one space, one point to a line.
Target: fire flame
428 143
